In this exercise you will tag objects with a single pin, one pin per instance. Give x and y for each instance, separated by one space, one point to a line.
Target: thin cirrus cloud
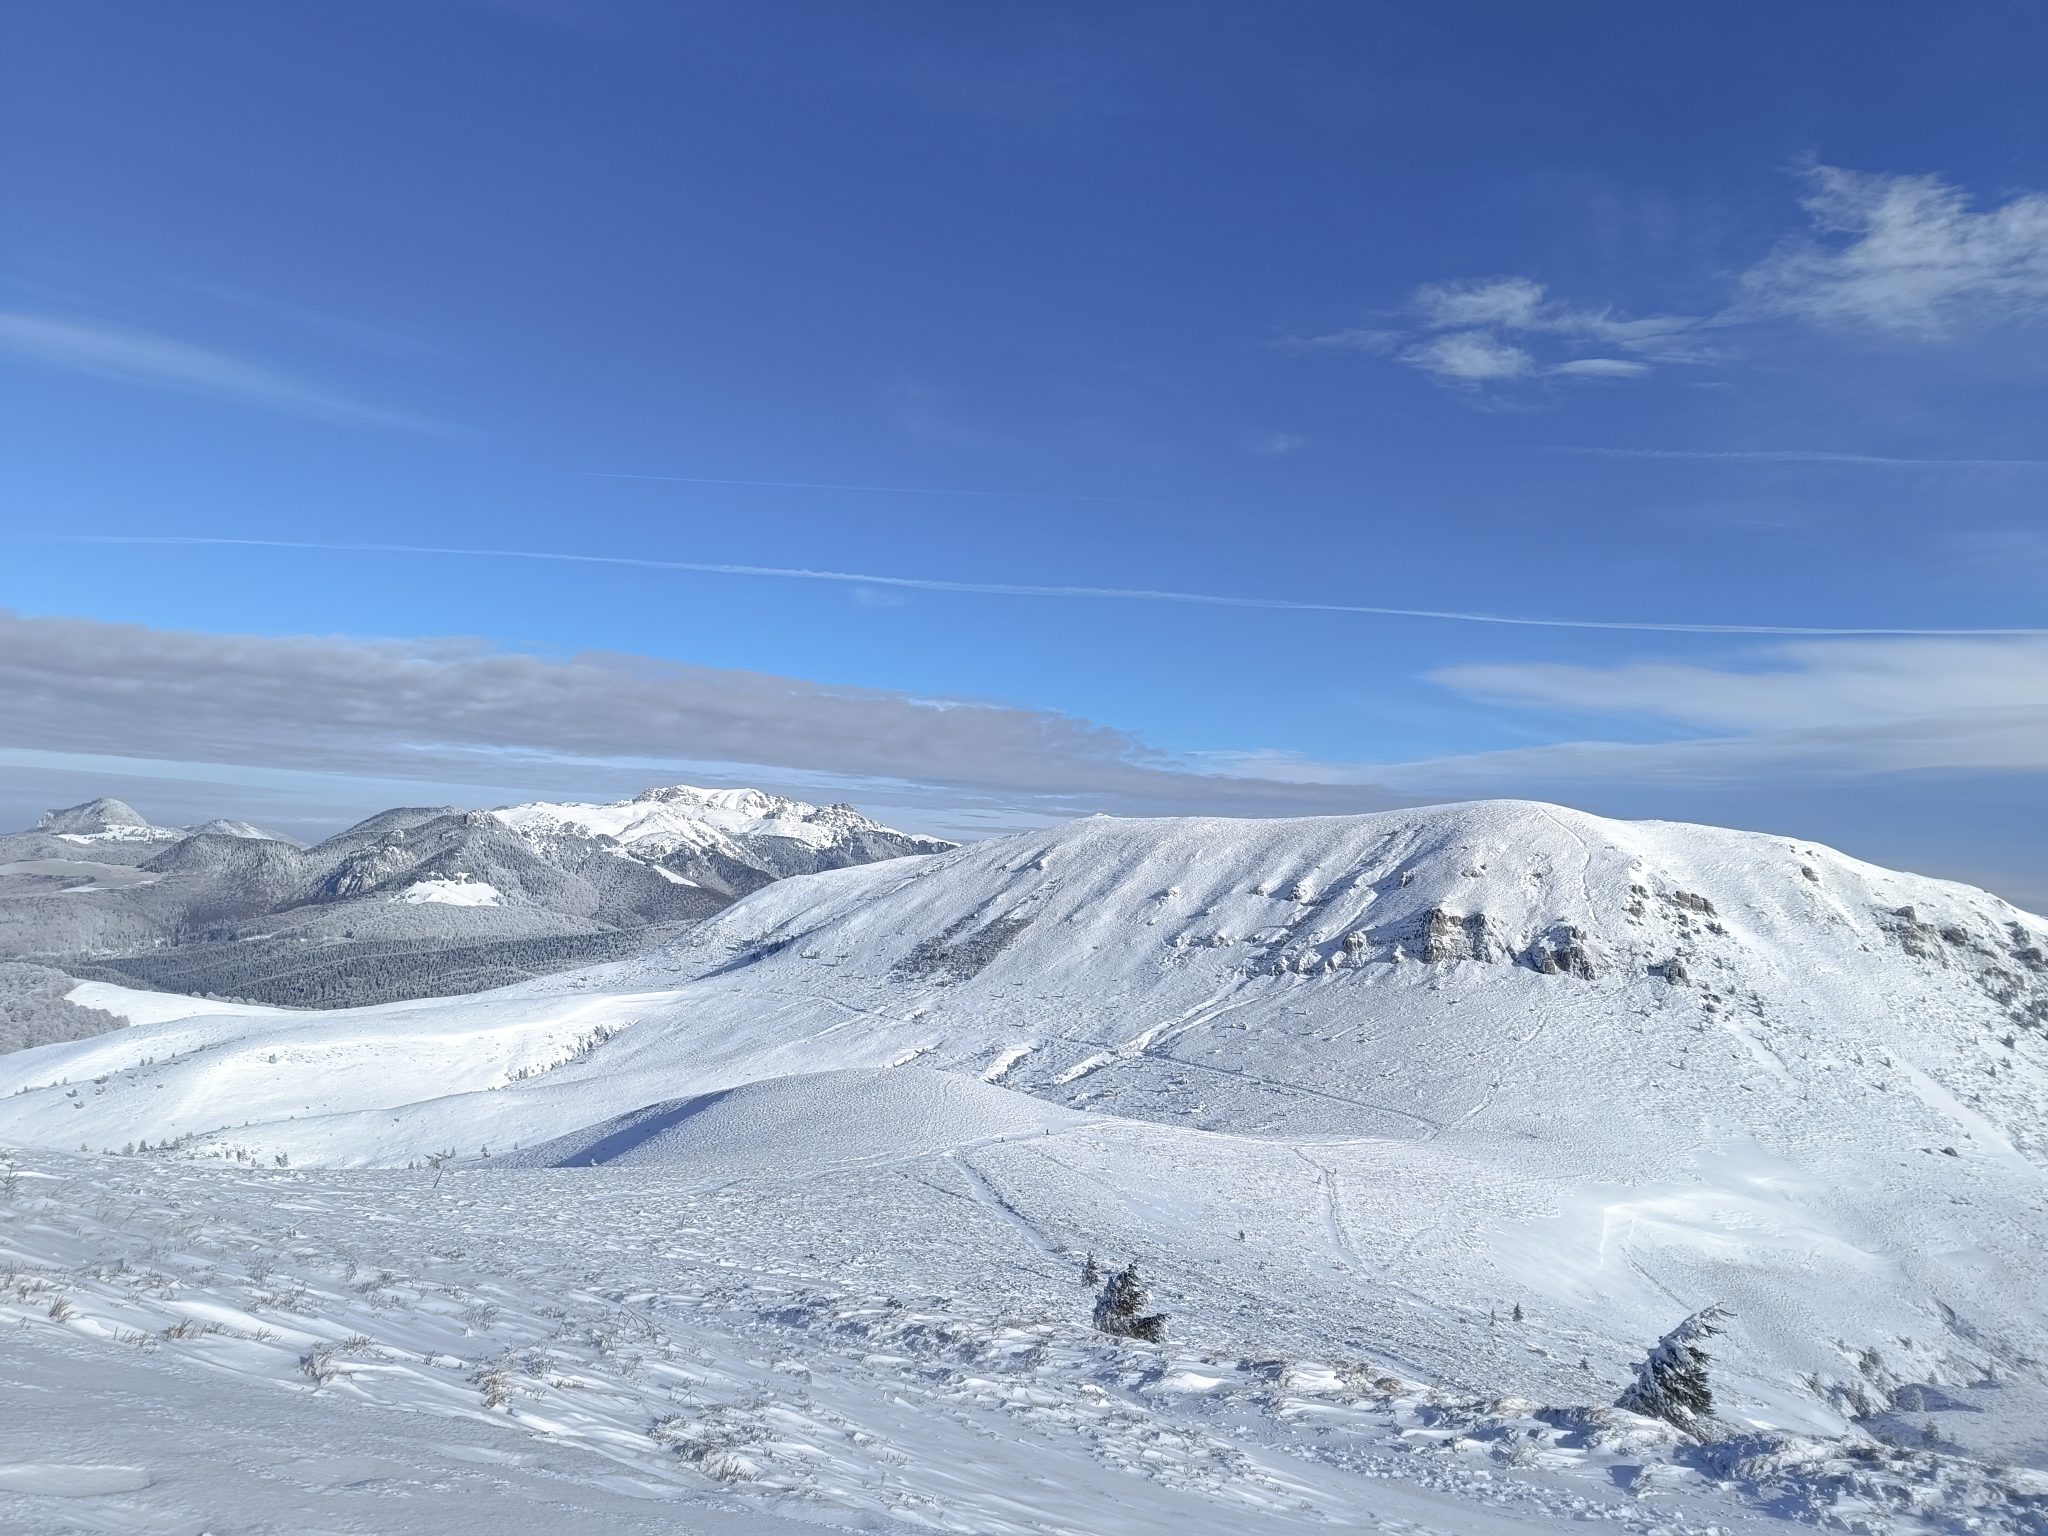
1023 589
1897 254
150 361
1489 331
1906 254
1486 332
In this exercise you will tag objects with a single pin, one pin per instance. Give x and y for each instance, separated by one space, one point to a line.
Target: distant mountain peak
222 826
742 801
731 840
91 816
739 811
102 820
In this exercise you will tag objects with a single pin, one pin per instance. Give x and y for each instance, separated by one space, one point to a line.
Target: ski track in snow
1333 1215
984 1191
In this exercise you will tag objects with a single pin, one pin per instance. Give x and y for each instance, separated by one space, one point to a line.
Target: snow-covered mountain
729 840
411 901
103 821
222 826
116 821
1367 1081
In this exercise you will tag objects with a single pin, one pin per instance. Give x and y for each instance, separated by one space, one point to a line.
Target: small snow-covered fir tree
1091 1272
1671 1383
1120 1309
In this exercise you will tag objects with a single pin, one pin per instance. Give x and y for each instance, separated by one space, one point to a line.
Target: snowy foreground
1421 1127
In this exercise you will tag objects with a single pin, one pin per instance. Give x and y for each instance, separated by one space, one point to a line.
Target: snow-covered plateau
1421 1128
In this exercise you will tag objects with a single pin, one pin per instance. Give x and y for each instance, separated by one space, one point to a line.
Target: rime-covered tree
1091 1272
1120 1309
1671 1383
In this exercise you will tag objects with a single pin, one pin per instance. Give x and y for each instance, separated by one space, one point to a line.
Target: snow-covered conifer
1671 1383
1120 1309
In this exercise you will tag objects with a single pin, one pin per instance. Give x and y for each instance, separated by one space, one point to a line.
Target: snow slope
452 891
1359 1084
500 1352
815 1122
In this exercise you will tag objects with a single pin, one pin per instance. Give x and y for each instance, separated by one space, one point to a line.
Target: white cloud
1523 306
1470 357
1905 253
1601 368
1487 332
1512 303
159 362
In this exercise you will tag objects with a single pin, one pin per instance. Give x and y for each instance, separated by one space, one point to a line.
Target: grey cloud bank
443 710
299 730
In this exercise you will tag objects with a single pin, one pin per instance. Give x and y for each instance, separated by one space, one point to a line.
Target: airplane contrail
1024 589
1793 456
890 490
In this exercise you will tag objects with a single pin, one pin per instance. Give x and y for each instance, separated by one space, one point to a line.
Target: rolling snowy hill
1485 1097
103 821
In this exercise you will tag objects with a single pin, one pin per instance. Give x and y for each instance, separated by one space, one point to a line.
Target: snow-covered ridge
660 821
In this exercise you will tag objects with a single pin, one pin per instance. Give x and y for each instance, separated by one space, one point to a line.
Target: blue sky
1727 317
